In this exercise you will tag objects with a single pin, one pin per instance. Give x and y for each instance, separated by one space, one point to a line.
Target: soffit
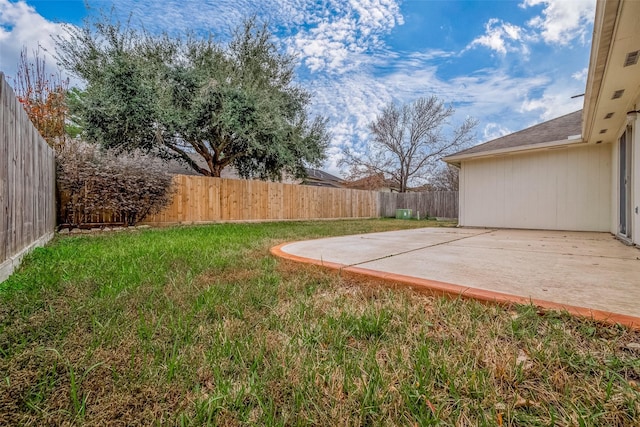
616 33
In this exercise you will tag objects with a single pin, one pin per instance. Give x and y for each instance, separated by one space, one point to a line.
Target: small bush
107 186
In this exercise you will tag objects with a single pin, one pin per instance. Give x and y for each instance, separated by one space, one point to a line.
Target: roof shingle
553 130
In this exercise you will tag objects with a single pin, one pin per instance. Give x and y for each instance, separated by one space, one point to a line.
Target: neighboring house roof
373 182
178 167
563 129
315 177
318 178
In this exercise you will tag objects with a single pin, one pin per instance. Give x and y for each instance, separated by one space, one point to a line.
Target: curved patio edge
437 288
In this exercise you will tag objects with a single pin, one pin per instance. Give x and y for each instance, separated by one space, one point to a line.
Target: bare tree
408 141
42 95
445 178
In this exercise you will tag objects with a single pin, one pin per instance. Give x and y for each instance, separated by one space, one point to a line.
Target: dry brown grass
228 335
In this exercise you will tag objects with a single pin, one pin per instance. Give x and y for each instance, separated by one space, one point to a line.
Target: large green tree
209 104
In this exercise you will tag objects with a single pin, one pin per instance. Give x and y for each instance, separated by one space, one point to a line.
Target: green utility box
403 213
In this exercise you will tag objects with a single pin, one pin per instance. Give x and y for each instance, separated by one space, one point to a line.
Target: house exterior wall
633 137
615 188
635 179
560 189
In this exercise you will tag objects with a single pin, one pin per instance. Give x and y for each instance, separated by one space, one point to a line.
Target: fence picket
27 182
204 199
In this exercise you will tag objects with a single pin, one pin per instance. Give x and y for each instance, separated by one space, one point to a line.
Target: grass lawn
201 325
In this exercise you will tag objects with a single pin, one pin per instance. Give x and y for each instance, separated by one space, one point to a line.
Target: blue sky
510 64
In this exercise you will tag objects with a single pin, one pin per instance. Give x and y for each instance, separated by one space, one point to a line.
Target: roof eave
603 28
456 159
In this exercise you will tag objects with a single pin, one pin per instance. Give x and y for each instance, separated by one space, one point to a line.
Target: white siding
615 187
633 137
562 189
635 183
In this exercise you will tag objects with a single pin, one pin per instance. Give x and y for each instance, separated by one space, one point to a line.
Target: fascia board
525 148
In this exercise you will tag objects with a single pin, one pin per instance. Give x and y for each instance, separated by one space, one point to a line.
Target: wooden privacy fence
442 204
27 183
204 199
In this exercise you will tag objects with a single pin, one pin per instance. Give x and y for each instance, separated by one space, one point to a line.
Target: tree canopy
209 104
408 141
42 95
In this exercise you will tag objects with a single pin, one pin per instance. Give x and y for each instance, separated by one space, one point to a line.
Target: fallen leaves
523 360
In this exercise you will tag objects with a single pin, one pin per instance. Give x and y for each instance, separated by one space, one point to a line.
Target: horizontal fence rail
205 199
441 204
27 183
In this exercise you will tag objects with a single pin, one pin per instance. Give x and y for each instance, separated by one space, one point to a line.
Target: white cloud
327 35
331 36
21 26
581 75
218 16
558 22
353 74
494 130
336 42
353 100
350 101
555 101
501 37
562 21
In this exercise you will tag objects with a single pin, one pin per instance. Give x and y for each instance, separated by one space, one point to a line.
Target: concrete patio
588 274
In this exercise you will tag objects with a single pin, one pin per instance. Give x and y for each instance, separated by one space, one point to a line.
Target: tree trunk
216 171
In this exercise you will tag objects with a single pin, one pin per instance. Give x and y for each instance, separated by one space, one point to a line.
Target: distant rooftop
373 182
319 178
